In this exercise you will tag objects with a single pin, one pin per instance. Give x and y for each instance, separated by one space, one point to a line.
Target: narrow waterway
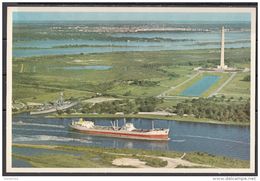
223 140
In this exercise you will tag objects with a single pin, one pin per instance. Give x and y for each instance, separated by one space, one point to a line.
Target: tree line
127 106
221 111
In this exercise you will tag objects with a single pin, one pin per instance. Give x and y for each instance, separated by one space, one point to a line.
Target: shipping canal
223 140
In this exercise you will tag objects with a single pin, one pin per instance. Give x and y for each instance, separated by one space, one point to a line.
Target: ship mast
112 125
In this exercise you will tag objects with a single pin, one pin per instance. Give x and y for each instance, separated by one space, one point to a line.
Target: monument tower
222 65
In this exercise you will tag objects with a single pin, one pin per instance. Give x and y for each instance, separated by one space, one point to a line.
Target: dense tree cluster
217 110
246 78
152 65
213 62
126 106
169 74
144 83
147 104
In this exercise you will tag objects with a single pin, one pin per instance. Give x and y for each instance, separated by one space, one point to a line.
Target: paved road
164 94
223 85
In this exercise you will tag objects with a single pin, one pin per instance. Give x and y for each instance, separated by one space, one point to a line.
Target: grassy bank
93 157
172 118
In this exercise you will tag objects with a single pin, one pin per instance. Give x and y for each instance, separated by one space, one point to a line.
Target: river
179 41
223 140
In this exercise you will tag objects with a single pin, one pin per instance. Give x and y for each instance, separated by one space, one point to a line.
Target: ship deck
120 128
146 134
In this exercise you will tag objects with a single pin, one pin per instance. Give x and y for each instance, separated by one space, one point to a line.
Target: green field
237 87
166 68
134 75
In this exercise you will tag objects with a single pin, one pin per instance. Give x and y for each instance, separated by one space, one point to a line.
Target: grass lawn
169 68
237 87
31 93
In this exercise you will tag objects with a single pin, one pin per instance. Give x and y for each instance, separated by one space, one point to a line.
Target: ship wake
20 123
213 138
33 138
178 141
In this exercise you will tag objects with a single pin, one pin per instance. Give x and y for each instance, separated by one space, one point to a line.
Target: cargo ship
126 131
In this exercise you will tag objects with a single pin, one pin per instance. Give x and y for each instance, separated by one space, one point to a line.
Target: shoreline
188 119
111 154
94 53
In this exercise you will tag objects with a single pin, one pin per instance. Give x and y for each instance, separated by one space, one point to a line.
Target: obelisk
222 62
222 65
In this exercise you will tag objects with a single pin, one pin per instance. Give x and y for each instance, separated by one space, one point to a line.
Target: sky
50 16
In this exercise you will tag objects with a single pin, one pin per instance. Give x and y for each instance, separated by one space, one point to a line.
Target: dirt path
100 99
174 162
171 162
134 162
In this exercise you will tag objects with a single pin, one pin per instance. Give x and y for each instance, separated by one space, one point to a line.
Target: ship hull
151 135
43 112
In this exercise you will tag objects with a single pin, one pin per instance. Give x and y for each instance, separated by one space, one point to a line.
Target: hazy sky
40 16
